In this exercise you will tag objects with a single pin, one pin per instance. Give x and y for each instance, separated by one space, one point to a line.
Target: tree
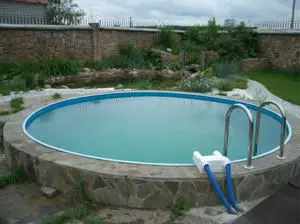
210 34
64 12
230 23
192 34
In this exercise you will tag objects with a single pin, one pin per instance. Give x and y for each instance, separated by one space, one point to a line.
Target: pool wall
145 186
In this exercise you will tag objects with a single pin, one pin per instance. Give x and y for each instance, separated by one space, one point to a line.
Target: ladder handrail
251 125
283 127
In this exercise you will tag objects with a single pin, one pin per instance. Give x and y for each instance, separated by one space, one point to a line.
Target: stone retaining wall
252 64
32 42
282 48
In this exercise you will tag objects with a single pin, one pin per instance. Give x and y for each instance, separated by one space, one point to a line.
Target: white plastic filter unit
216 162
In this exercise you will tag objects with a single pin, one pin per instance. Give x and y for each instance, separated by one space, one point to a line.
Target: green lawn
284 84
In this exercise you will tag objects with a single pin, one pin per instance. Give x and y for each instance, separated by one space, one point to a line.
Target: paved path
260 93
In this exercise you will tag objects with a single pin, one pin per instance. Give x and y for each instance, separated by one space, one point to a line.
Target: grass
14 177
56 96
283 83
81 211
28 75
178 209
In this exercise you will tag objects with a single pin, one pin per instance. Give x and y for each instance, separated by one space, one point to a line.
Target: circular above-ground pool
135 149
158 128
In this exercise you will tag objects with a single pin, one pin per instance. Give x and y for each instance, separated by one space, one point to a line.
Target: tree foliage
64 12
239 42
210 34
167 39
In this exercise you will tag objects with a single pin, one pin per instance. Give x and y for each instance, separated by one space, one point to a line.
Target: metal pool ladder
283 127
251 125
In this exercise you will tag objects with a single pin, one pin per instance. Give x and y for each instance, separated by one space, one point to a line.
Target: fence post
203 55
182 56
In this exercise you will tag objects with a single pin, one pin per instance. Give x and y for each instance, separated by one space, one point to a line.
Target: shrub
241 85
225 85
179 208
174 66
208 73
152 59
56 96
192 35
14 177
238 78
130 58
167 39
209 34
226 68
239 42
16 104
230 48
198 84
142 83
127 49
60 67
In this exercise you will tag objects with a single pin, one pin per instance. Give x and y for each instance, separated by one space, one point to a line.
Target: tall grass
30 75
129 58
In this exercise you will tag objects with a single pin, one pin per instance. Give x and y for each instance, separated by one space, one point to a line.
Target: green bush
179 208
239 42
192 35
152 59
127 49
16 104
142 83
175 66
210 34
230 48
130 58
241 85
56 96
225 85
225 69
167 39
198 84
208 73
14 177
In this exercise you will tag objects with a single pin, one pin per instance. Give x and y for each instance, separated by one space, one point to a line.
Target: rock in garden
212 211
169 50
47 86
48 191
120 86
86 70
133 73
64 87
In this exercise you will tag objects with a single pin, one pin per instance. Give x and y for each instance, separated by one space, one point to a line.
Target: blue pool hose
229 189
218 190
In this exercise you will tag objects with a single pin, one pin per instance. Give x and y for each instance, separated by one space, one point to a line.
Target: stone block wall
281 48
32 42
251 64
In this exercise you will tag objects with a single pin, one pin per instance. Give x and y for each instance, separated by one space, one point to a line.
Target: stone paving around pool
23 203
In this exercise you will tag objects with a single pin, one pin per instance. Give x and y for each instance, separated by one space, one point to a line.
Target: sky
190 12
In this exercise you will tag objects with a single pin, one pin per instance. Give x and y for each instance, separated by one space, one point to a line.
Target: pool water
149 129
